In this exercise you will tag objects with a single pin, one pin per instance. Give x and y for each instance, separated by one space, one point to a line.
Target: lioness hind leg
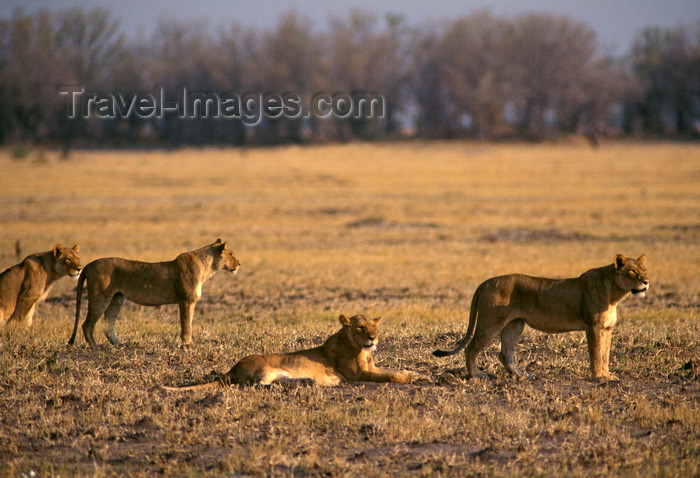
23 316
111 314
24 311
96 307
271 375
29 317
481 340
510 335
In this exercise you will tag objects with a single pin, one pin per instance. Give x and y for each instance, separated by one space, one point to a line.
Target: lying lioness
111 280
505 304
345 356
26 283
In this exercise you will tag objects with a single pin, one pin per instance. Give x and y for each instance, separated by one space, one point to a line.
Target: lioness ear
220 246
377 320
76 248
344 320
58 250
620 261
642 260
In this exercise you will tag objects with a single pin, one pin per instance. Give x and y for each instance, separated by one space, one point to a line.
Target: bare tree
89 44
29 75
590 110
550 56
435 111
483 76
474 65
667 62
289 59
182 55
369 59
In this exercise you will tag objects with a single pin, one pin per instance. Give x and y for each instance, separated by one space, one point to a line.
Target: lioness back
144 283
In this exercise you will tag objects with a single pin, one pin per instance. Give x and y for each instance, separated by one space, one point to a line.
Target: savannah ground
404 230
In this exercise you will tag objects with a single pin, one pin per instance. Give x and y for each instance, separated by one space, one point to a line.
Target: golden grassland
402 230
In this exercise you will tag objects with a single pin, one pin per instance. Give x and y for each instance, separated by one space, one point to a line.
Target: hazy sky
615 21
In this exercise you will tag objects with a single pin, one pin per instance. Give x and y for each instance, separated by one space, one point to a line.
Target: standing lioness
111 280
505 304
26 283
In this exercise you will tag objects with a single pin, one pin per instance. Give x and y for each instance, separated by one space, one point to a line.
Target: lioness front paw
417 377
607 377
483 375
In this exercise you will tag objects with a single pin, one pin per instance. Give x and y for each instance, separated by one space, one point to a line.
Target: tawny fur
345 356
112 280
23 285
589 302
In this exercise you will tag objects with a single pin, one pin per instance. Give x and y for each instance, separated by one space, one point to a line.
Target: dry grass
406 231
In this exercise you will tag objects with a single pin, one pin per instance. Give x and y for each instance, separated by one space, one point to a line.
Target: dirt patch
435 456
377 221
328 298
521 235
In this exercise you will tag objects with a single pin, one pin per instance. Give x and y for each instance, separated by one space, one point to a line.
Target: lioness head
361 331
631 275
224 258
66 261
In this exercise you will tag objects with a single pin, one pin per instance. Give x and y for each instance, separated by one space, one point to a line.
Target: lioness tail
201 386
78 297
470 329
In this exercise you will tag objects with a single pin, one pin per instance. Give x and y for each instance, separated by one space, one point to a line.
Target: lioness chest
609 318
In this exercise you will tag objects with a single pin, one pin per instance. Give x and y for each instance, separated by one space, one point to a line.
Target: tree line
484 76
